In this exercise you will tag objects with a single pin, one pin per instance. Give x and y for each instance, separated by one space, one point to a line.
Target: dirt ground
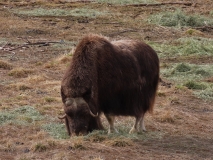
35 51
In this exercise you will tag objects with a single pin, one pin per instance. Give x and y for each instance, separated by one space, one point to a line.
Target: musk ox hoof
112 130
141 130
133 130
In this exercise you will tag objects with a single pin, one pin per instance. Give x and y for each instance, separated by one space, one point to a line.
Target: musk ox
117 78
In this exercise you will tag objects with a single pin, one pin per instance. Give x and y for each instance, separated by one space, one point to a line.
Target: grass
56 130
20 72
39 147
19 86
5 65
77 12
211 12
187 46
123 2
195 85
191 76
179 19
25 115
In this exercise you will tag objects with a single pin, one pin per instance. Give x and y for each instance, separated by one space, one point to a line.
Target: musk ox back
114 78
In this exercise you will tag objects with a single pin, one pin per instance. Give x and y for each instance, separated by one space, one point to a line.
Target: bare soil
181 126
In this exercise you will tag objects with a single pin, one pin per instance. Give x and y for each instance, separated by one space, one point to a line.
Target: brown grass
19 86
35 79
119 142
64 59
5 65
20 72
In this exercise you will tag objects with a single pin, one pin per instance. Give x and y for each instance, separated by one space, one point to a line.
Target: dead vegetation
37 41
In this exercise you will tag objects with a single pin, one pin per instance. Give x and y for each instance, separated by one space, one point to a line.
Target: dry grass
35 79
167 116
20 86
5 65
20 72
64 59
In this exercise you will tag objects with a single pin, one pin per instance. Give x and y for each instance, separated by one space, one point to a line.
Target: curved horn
62 117
82 101
93 114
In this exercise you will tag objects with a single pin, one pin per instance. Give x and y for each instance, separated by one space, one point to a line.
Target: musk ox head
79 120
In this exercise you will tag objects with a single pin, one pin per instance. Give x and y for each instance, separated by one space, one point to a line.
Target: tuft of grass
119 142
35 79
78 143
96 136
20 72
39 147
78 12
56 130
49 99
19 86
5 65
195 85
179 19
167 117
51 64
182 67
193 32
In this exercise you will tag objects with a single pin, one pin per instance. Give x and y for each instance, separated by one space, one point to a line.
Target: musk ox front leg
111 119
139 125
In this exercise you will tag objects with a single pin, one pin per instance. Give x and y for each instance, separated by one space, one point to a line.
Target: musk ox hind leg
138 125
111 119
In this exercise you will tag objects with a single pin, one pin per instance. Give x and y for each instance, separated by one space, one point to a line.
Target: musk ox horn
93 114
62 117
82 101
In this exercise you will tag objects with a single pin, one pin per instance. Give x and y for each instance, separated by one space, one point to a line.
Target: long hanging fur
118 78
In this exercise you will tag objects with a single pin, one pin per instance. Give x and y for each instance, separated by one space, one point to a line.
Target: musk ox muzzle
77 116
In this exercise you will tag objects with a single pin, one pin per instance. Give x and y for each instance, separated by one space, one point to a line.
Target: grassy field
37 40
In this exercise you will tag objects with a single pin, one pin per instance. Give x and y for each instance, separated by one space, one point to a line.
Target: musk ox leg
111 119
139 125
135 126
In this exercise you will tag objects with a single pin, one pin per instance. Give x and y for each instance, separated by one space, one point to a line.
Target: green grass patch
191 76
25 115
188 46
6 117
195 85
179 19
123 2
56 130
78 12
211 12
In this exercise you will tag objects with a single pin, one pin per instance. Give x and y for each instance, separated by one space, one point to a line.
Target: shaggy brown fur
116 78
